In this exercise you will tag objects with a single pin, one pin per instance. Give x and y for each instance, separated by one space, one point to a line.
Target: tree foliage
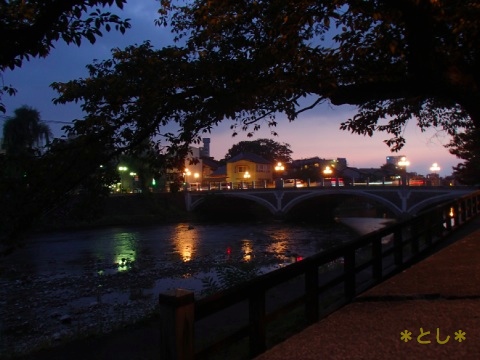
31 28
269 149
25 133
246 61
466 146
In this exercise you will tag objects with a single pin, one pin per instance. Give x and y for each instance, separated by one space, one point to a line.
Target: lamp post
404 163
122 170
246 176
278 181
327 172
134 180
186 174
434 169
196 176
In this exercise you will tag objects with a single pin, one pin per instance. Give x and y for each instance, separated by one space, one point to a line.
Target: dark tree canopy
25 133
466 146
267 148
246 61
31 28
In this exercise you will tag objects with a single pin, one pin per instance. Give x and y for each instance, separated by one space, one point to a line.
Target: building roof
249 157
208 161
220 171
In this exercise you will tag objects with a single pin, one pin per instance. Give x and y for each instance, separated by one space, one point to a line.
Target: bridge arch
261 201
389 205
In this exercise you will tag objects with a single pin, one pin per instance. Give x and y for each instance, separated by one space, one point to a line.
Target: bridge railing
255 314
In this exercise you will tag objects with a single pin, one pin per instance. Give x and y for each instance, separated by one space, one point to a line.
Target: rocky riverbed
59 301
42 311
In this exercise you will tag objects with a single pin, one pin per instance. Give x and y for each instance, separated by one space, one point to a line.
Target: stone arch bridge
401 201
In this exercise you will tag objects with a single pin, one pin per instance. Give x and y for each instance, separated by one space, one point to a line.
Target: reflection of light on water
279 244
247 249
185 240
125 250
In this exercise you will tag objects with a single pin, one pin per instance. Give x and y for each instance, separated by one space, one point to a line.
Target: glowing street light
246 175
328 171
279 167
434 168
186 173
435 178
404 163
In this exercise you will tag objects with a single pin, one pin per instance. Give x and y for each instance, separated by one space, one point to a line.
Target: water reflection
247 249
185 239
279 244
125 250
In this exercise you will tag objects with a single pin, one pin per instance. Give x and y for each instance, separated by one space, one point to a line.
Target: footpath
429 311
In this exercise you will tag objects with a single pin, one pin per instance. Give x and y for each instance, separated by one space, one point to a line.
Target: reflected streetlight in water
185 240
247 249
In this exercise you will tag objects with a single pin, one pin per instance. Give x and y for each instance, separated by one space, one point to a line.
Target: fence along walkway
259 309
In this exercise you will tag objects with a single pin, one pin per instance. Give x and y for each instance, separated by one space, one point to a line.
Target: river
65 283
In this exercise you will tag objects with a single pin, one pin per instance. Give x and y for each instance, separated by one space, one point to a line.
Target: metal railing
318 285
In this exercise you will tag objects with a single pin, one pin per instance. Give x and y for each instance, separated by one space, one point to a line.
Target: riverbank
362 225
125 209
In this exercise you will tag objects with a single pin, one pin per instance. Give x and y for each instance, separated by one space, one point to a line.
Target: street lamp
278 181
186 174
434 169
246 176
196 176
122 170
404 163
327 172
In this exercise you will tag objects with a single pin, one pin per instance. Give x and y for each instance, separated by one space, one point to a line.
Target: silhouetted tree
247 61
269 149
25 132
30 28
466 146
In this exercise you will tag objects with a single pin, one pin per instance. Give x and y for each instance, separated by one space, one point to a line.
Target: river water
183 249
65 283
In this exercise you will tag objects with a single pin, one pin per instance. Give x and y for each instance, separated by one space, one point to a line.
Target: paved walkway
441 294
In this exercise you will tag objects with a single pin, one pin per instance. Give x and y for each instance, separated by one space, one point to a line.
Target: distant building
248 167
205 149
313 168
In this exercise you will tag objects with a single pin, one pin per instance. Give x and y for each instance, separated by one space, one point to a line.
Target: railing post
312 312
414 237
349 273
177 322
377 271
398 247
258 337
427 223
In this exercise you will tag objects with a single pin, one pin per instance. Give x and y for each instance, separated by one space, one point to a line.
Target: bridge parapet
402 201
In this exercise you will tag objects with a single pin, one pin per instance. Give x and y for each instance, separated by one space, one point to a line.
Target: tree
31 28
249 60
466 146
267 148
25 133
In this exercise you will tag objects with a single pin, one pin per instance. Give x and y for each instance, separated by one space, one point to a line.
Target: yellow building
249 169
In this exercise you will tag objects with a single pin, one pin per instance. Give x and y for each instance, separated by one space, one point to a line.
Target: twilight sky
314 133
